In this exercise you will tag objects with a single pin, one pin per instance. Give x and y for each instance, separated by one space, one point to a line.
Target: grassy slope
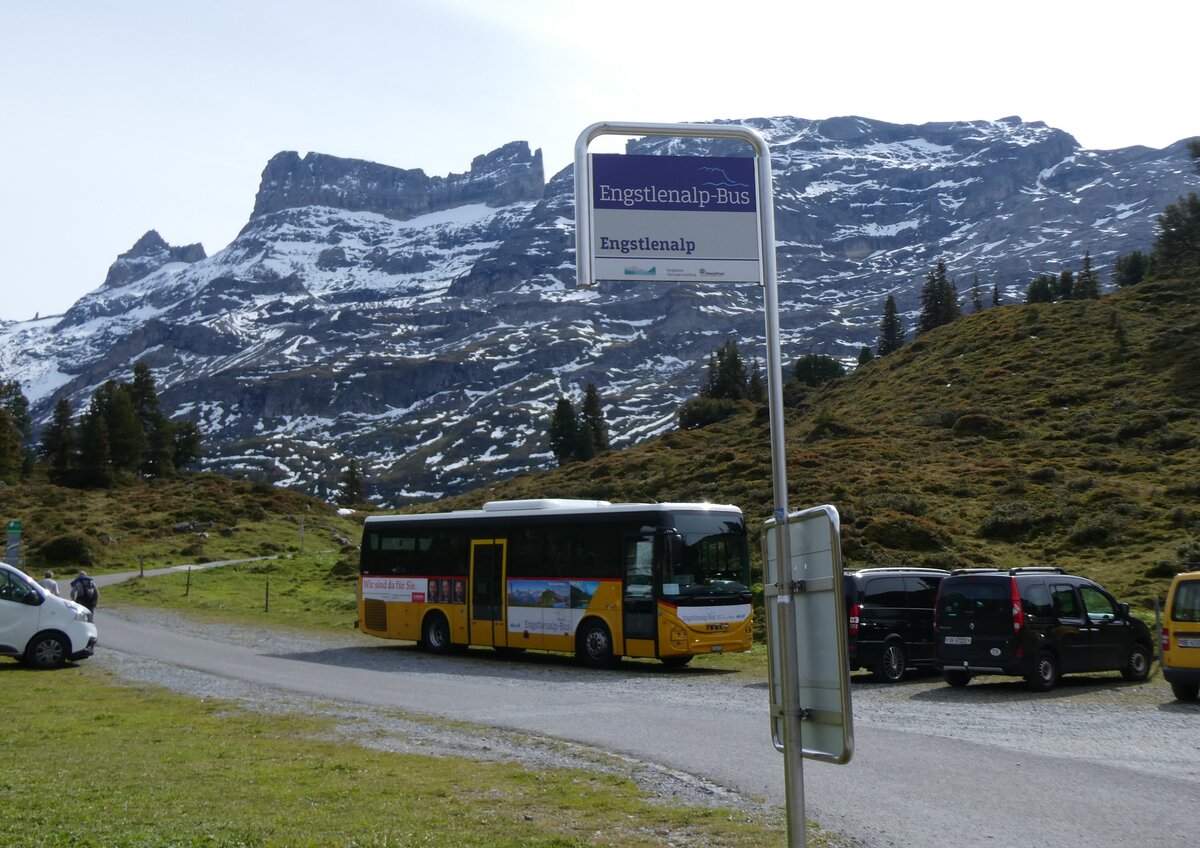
1060 434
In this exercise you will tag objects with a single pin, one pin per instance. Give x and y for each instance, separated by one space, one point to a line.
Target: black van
890 612
1038 623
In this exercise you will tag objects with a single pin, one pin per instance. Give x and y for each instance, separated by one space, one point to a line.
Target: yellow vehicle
592 578
1181 636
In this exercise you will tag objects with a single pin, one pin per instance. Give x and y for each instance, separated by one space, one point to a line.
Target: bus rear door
487 592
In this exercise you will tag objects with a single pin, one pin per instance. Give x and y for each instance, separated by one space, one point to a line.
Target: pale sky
118 117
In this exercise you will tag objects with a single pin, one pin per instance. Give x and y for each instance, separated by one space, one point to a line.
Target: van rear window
982 601
1187 601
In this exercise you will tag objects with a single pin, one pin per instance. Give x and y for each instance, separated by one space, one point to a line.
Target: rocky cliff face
427 325
510 174
148 254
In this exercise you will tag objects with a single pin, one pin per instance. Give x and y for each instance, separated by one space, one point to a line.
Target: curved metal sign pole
793 744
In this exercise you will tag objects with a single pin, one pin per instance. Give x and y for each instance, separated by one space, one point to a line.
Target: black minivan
1038 623
890 613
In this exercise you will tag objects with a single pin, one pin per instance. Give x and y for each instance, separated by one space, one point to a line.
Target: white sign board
821 669
674 218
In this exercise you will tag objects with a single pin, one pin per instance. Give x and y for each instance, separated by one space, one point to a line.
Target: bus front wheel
594 646
435 633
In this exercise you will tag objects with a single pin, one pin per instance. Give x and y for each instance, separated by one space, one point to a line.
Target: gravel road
1096 760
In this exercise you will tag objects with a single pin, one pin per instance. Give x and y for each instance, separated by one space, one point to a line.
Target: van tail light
1166 639
855 609
1017 613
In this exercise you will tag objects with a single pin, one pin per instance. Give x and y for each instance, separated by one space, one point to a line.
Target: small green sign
14 527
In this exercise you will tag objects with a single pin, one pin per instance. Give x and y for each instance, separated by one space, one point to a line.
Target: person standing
84 591
49 583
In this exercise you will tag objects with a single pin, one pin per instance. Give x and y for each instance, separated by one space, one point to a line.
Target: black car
890 613
1037 623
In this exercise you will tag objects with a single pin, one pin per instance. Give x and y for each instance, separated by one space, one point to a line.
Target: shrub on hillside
68 549
980 424
1016 520
700 411
905 532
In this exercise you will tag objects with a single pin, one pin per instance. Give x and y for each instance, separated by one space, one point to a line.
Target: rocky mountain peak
508 174
148 254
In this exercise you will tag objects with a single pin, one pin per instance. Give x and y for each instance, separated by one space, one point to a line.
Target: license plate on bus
958 640
1189 643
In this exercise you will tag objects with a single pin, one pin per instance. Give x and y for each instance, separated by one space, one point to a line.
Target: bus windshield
710 564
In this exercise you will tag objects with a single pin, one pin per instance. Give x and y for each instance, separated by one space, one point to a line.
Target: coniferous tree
144 395
865 354
58 443
756 389
593 416
939 300
1041 290
813 369
188 443
10 448
709 389
584 447
1088 285
995 294
159 459
891 332
126 439
1064 288
14 400
1177 246
976 296
351 486
1129 270
95 460
564 431
731 373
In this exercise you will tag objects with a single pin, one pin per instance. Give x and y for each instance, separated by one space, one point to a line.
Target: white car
39 627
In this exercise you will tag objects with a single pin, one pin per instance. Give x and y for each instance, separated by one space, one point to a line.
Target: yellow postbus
597 579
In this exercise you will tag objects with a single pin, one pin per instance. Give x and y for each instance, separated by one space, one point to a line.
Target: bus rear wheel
594 645
435 634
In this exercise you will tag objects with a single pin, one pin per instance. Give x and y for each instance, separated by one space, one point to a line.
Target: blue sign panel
673 183
675 218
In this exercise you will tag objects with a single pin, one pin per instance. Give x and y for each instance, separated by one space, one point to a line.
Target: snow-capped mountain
427 325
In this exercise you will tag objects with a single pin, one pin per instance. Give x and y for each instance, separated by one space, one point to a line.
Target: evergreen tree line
577 436
727 384
122 432
1176 252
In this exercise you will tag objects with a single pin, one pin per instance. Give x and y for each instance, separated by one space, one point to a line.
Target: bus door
640 611
487 592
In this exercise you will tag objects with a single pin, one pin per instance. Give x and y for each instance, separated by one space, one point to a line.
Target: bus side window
558 552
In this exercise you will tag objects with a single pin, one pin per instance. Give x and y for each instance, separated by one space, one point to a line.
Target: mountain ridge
433 346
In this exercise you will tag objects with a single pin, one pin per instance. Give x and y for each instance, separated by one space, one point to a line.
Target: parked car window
1099 606
922 591
885 592
14 589
1064 602
1036 598
1187 601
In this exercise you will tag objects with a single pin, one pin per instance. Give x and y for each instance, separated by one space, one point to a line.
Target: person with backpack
84 591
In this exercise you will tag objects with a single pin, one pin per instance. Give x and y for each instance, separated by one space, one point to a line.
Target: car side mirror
33 599
1124 608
